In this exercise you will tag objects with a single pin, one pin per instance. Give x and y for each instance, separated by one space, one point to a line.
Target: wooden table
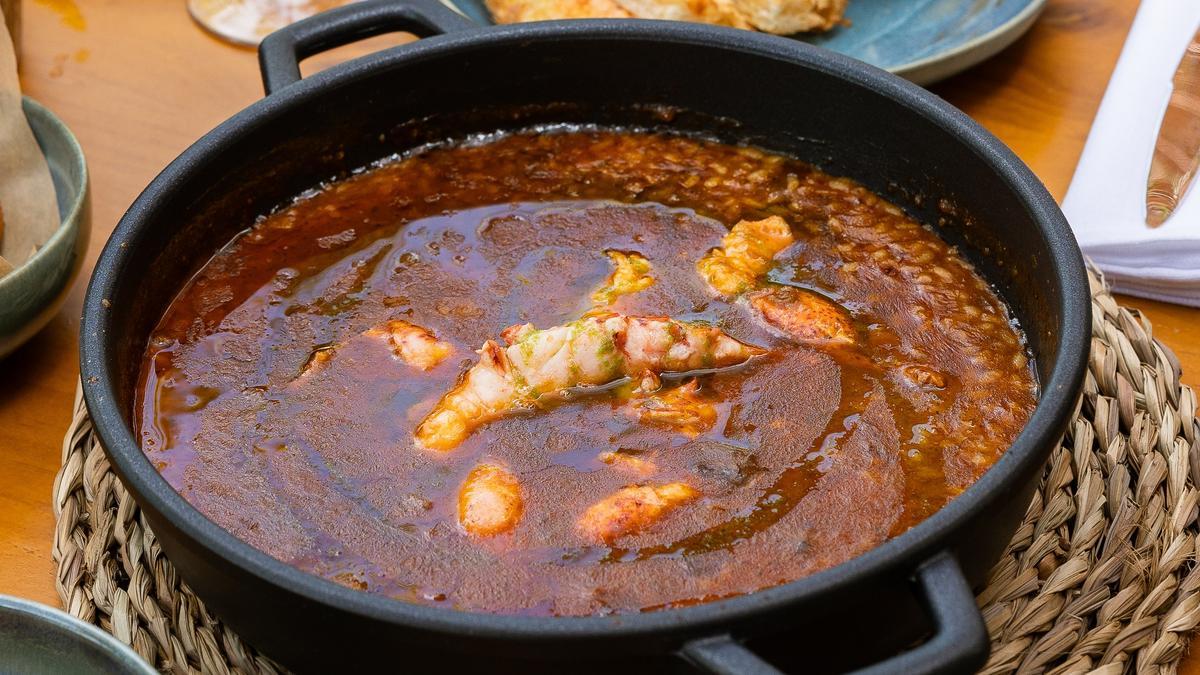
137 81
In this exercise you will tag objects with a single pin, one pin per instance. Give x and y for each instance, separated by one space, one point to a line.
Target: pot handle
959 643
280 53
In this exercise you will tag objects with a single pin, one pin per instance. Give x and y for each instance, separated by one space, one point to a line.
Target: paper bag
30 212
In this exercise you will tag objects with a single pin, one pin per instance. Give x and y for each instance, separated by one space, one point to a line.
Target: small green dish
31 294
36 638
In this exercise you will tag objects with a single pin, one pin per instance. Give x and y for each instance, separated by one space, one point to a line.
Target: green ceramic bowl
31 294
35 638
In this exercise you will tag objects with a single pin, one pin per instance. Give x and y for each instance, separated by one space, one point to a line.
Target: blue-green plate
37 639
921 40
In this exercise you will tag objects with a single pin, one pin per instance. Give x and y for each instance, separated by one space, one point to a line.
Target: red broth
817 452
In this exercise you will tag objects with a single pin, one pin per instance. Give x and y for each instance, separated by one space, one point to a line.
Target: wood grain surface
137 81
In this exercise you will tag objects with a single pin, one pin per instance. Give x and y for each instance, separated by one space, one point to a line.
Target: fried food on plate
518 11
791 16
719 12
782 17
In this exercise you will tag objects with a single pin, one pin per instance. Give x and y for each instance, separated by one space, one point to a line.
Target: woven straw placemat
1100 575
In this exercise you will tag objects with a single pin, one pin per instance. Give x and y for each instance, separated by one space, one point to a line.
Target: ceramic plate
31 294
37 639
922 40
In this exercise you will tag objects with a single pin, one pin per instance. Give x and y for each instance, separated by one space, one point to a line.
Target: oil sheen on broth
277 398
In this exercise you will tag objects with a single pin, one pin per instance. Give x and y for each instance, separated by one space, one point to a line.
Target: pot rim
1055 404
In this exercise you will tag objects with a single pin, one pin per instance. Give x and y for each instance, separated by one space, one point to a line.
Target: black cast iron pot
905 606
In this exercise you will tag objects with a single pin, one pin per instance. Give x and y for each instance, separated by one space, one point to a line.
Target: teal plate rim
84 636
923 70
955 59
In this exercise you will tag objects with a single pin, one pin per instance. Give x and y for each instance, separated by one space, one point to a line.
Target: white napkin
1106 203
